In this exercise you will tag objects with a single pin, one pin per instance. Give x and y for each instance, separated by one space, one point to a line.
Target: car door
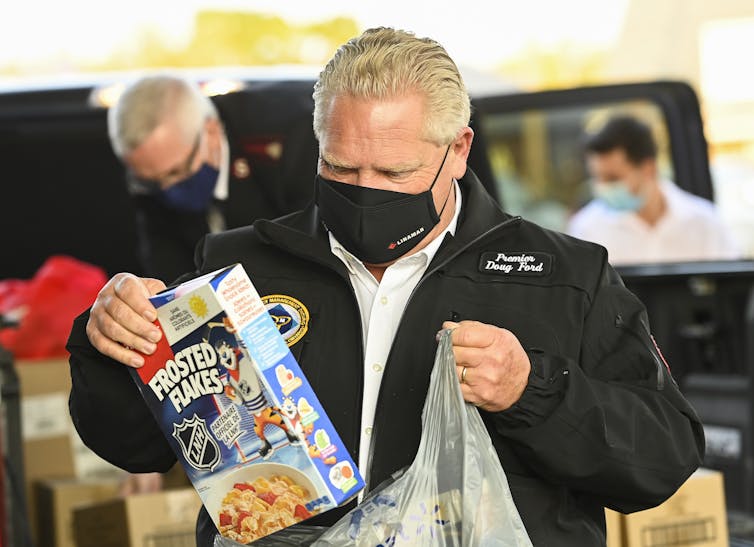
529 152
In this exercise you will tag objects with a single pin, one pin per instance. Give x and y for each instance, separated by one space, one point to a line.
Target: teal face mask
617 196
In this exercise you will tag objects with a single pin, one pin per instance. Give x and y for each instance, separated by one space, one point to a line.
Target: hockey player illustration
244 387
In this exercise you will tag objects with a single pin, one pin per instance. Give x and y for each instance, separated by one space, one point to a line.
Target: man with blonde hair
198 165
401 241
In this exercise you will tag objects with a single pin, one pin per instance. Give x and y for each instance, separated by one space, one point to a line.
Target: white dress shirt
690 229
215 218
221 188
381 305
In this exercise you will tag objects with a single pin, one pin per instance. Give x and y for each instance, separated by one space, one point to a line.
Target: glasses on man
177 174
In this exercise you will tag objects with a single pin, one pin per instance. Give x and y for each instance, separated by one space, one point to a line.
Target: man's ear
460 149
215 132
649 168
214 126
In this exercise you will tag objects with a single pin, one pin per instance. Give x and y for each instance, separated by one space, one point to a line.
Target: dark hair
626 133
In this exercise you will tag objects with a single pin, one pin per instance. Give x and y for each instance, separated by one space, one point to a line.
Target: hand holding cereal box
239 413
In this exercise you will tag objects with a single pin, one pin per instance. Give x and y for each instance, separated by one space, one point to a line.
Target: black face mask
377 226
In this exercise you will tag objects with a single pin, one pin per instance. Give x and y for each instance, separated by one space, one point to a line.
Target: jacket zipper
621 324
427 274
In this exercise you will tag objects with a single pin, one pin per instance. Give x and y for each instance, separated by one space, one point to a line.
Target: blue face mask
194 193
617 196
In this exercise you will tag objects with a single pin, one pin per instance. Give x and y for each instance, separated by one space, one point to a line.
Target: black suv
63 189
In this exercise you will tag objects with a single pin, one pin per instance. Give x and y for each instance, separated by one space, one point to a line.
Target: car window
537 157
733 182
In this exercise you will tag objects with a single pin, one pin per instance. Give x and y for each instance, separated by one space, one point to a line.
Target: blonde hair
384 63
152 100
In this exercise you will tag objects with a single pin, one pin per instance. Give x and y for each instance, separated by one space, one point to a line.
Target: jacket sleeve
167 237
614 425
108 411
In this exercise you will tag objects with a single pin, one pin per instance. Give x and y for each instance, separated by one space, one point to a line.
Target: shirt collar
221 188
672 195
426 254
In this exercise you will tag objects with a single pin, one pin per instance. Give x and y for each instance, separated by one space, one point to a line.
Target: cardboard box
57 498
614 523
47 430
162 518
45 386
694 516
238 412
46 424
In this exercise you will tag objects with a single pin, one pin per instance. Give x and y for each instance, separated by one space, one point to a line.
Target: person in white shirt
638 216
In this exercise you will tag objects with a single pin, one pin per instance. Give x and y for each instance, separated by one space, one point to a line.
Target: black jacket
601 423
272 159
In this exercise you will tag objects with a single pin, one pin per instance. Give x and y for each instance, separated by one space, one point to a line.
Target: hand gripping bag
454 494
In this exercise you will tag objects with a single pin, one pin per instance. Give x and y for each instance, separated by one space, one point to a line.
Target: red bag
46 306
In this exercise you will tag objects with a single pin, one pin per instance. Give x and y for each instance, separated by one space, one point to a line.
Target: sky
481 35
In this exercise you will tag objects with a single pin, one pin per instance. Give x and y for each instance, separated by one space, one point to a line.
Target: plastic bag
45 306
454 494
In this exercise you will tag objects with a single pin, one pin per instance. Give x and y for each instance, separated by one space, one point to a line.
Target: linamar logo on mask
617 196
405 238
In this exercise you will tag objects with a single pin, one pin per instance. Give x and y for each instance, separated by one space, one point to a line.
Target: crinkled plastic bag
46 305
454 494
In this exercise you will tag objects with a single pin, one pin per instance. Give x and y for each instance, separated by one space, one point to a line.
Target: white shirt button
377 367
368 431
383 300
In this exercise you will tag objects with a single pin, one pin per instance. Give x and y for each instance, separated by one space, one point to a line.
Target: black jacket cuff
544 392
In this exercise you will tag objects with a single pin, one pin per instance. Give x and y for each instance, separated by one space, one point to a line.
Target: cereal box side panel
239 297
304 412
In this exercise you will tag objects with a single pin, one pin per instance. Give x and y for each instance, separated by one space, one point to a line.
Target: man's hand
121 319
491 364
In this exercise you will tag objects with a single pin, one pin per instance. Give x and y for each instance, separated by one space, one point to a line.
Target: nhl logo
199 448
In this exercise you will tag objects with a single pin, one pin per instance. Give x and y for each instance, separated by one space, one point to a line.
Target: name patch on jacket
516 263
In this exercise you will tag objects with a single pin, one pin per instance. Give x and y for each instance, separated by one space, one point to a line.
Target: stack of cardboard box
62 476
694 516
48 447
55 501
163 518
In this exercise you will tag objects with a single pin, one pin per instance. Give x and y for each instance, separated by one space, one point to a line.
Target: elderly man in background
197 165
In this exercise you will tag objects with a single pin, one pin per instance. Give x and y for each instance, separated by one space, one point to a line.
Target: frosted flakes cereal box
239 413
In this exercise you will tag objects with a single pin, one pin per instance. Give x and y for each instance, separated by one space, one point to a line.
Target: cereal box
239 413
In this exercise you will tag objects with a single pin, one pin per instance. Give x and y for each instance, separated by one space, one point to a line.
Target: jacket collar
304 235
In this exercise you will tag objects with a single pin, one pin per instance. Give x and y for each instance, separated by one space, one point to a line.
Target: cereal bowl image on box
239 413
254 501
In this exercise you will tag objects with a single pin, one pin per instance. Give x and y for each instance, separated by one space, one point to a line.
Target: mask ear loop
447 197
